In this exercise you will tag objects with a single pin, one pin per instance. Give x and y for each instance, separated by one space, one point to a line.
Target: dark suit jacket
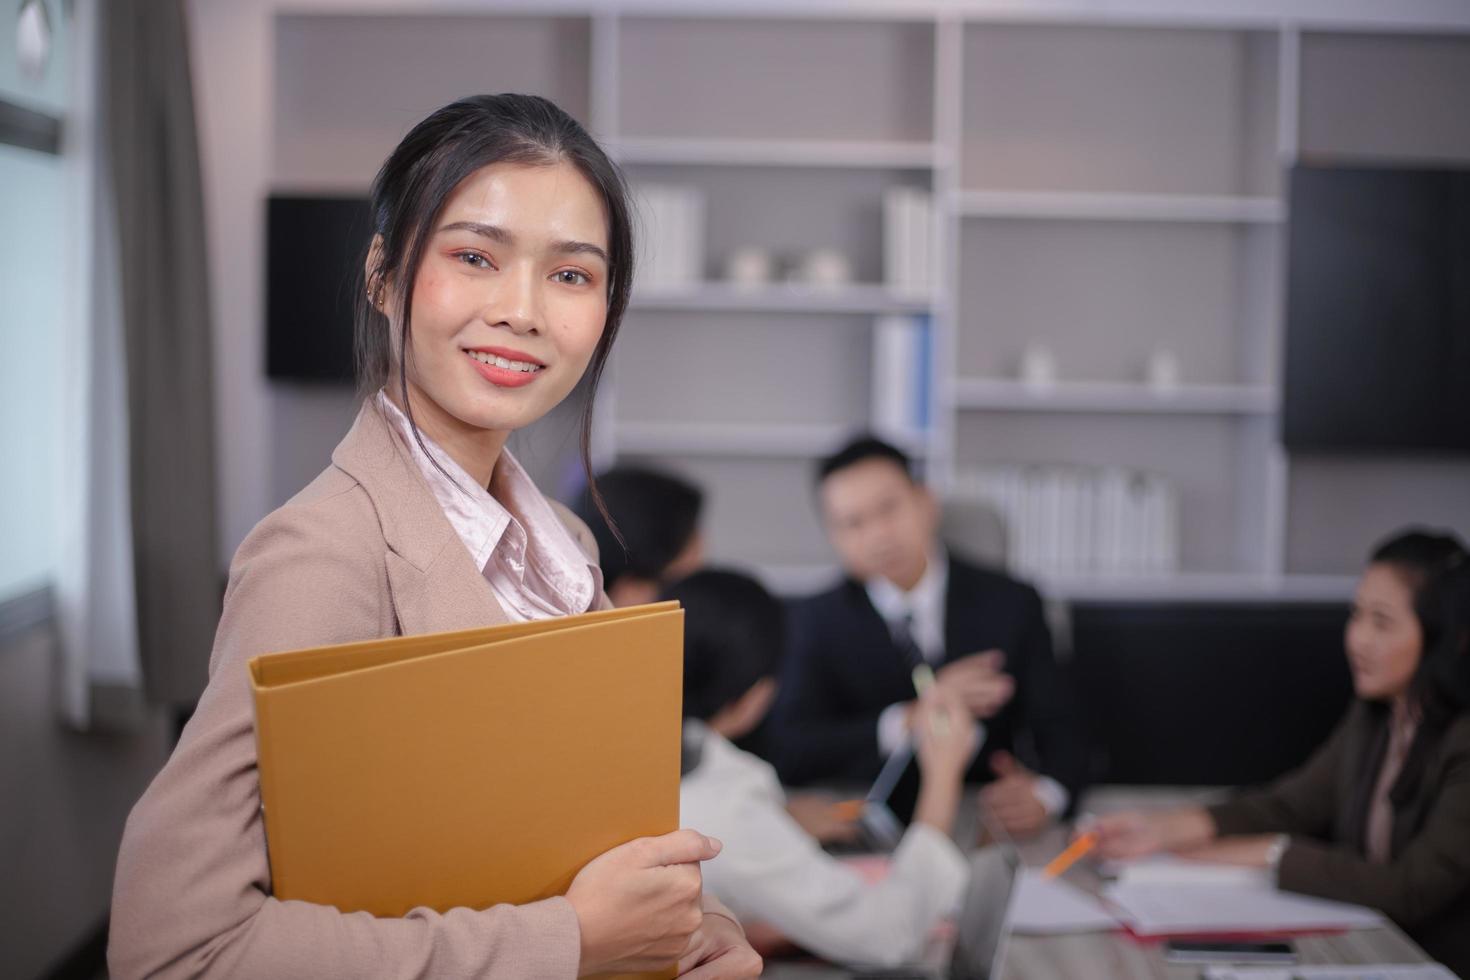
1425 887
842 669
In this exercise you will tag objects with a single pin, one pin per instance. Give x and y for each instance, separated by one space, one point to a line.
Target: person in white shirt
771 872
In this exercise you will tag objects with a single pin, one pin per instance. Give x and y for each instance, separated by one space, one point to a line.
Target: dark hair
1436 567
859 450
655 515
410 192
734 635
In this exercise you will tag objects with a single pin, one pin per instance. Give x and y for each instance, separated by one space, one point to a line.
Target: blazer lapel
887 677
432 581
960 609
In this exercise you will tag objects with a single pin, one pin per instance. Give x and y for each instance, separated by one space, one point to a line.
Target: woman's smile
505 368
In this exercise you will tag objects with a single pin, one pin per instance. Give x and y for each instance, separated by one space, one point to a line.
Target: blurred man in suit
848 689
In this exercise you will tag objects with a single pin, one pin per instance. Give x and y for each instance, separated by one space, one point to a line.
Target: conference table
1111 955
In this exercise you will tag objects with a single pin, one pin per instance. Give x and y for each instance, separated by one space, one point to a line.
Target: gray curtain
147 110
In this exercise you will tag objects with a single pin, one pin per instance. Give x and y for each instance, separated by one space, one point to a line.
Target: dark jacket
842 669
1425 887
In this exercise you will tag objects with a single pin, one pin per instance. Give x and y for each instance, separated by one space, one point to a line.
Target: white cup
1038 366
1163 369
824 267
749 266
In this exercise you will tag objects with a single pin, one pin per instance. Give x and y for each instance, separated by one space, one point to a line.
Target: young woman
497 276
1380 815
771 871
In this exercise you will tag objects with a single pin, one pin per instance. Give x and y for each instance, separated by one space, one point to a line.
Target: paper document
1418 971
1041 905
1166 909
1167 869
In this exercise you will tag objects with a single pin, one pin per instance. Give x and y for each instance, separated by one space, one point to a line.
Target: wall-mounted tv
314 249
1378 311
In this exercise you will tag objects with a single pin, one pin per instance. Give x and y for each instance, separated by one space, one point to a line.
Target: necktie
908 647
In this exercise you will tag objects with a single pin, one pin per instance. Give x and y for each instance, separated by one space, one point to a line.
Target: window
34 279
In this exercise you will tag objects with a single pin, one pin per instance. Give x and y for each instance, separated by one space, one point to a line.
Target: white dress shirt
921 609
533 564
771 870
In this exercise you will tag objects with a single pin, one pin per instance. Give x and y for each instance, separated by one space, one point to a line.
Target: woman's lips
503 377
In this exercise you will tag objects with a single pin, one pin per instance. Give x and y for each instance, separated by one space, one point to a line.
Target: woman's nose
517 304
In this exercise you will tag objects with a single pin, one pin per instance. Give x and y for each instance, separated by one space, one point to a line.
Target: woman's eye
571 277
475 259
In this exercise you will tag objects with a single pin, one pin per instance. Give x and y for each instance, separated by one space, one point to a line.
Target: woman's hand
639 904
1137 833
944 734
1251 851
719 951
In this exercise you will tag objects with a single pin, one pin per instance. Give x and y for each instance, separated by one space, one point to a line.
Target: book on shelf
671 243
900 375
908 235
1066 520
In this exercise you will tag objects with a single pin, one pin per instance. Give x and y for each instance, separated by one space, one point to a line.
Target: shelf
772 440
860 298
1198 586
1082 206
892 155
796 579
1120 397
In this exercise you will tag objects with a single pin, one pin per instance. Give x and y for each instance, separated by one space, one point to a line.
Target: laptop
983 927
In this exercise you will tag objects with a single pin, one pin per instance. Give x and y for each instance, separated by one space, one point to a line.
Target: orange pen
1071 855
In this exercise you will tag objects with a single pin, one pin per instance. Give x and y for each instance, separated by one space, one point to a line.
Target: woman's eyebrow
580 248
493 232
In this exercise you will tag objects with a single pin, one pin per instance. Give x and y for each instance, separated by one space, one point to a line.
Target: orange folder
468 768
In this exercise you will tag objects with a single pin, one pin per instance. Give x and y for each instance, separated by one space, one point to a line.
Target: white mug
824 267
749 266
1163 369
1038 367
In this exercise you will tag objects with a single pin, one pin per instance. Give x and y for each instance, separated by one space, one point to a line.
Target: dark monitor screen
1217 694
314 249
1378 310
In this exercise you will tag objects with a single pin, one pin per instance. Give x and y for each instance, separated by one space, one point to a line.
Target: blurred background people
1380 814
658 537
907 602
771 872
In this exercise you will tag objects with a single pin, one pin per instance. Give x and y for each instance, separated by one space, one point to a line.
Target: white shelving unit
734 439
1108 184
780 153
1004 395
1094 206
855 298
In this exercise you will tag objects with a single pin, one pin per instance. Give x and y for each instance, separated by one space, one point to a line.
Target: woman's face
510 300
1384 640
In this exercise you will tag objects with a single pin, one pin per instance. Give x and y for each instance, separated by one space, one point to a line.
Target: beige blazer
364 551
